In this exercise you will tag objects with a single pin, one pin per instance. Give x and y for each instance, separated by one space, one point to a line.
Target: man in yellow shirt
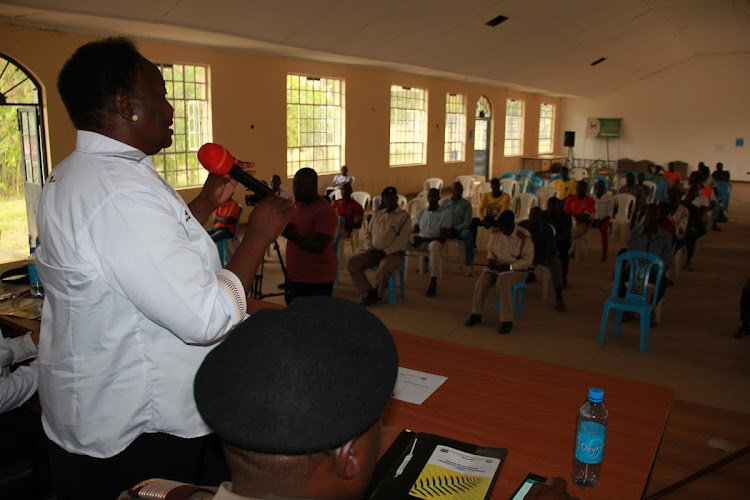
565 185
491 205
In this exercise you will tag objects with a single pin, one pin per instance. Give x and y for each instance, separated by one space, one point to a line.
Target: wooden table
541 163
530 408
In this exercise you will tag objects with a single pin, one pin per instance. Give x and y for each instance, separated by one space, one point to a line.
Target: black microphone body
250 182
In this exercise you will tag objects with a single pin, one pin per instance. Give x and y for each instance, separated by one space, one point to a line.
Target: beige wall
693 112
249 109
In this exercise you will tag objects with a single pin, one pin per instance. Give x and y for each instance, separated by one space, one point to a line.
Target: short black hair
94 74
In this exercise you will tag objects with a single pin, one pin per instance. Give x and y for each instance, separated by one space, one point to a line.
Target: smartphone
526 485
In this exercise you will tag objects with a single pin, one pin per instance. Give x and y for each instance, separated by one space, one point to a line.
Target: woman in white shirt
135 292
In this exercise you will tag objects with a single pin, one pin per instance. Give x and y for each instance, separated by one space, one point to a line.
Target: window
546 127
455 126
408 126
513 127
188 93
314 124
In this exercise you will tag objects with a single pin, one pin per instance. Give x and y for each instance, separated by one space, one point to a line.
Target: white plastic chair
415 206
433 182
544 194
335 194
578 174
479 191
623 208
422 194
580 244
509 186
363 198
467 181
402 201
652 188
522 203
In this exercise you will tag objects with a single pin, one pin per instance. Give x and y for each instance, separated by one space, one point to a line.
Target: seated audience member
296 400
744 311
17 387
679 215
545 251
641 197
709 192
339 180
563 224
673 175
720 175
278 190
565 185
665 222
430 231
581 208
385 240
510 251
491 205
311 262
603 204
652 239
460 221
225 220
349 209
697 205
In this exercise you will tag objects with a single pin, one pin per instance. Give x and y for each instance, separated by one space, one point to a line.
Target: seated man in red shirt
225 220
581 208
349 209
311 263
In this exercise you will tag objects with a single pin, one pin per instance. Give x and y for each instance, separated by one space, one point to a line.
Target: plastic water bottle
34 283
591 434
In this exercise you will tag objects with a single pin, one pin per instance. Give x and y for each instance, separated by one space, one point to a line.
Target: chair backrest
415 206
544 194
402 201
467 181
376 203
479 178
622 180
578 174
335 194
362 197
509 186
651 190
623 207
641 265
534 185
433 182
337 237
522 204
509 175
526 172
554 178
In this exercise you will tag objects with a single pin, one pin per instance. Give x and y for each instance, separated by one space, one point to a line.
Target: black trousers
745 304
563 249
80 477
294 289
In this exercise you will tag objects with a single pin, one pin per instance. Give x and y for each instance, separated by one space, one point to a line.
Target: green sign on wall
603 128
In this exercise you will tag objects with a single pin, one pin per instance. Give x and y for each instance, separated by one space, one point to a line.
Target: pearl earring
134 117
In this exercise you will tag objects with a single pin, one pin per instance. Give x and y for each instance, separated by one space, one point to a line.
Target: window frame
455 129
514 123
409 130
548 138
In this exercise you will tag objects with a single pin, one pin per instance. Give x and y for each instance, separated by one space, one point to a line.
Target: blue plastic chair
621 179
534 185
526 172
724 192
515 290
336 241
221 245
392 282
554 178
511 175
636 298
662 189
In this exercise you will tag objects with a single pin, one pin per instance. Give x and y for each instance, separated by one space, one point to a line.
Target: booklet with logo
427 466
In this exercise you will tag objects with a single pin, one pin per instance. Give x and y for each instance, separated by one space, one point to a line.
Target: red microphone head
215 158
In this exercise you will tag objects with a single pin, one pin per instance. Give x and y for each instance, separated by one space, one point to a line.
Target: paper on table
415 387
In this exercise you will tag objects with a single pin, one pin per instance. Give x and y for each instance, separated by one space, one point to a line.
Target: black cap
299 380
389 190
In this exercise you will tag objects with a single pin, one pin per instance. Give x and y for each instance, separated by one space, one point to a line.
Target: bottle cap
596 395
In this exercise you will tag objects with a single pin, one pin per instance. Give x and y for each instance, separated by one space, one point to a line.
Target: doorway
23 158
482 137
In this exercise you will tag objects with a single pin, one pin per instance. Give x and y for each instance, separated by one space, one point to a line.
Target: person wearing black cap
510 249
296 401
385 242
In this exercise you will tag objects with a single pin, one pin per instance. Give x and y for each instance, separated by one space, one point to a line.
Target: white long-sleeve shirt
17 387
134 293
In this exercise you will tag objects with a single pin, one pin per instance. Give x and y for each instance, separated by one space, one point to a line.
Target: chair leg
603 324
392 289
618 321
520 301
401 274
645 324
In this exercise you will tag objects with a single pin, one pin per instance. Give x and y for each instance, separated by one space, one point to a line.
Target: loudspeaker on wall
570 138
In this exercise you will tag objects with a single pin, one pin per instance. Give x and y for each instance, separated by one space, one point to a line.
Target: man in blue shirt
431 227
460 220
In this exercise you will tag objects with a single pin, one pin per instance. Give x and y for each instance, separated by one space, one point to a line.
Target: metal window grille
314 124
408 142
513 127
188 90
455 127
546 128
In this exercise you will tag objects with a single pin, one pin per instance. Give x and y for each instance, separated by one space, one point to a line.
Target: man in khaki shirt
385 242
510 251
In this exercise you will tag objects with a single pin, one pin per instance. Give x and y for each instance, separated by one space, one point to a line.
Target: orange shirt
229 209
673 177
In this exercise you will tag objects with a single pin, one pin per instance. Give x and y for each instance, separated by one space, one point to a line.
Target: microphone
217 160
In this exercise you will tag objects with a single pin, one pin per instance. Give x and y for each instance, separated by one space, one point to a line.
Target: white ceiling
546 46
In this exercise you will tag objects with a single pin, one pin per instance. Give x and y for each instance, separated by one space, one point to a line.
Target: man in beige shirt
385 242
510 251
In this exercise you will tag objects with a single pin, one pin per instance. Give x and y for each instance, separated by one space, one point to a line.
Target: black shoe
505 327
371 298
474 319
432 289
743 331
531 277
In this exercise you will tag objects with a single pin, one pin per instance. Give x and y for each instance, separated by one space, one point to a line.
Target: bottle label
590 439
33 275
